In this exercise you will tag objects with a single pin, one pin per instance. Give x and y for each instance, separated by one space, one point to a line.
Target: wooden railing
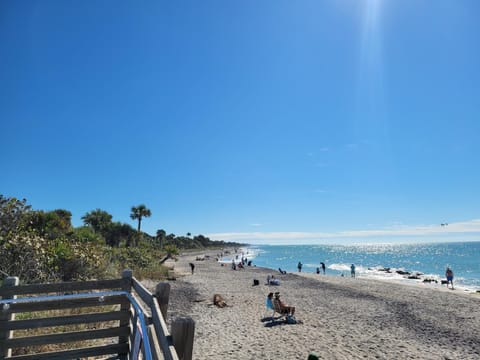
129 314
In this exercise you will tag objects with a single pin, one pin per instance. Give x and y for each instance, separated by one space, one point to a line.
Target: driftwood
168 256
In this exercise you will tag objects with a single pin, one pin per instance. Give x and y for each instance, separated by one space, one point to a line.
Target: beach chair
286 313
269 309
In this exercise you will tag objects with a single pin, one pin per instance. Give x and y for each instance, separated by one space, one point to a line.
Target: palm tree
138 213
98 220
161 237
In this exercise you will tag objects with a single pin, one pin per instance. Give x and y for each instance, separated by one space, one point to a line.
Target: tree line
40 245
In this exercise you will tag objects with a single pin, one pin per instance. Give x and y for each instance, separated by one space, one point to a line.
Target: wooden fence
132 319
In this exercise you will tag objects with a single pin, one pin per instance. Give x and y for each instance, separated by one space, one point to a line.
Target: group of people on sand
321 268
272 280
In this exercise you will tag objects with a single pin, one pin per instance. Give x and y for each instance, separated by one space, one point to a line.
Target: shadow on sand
271 321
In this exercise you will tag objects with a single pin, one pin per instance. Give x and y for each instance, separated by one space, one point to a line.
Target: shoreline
341 317
382 269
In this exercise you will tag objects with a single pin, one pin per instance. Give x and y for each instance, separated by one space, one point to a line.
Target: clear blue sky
258 121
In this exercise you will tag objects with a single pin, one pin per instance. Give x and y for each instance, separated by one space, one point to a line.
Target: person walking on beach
449 276
323 267
352 270
192 266
299 266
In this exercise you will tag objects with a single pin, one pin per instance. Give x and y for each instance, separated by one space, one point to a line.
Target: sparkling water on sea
427 261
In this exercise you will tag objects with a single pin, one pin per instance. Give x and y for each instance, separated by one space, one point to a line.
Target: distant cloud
322 149
255 224
426 232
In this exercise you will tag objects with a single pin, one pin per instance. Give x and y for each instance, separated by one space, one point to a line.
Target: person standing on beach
192 266
323 267
449 276
299 266
352 270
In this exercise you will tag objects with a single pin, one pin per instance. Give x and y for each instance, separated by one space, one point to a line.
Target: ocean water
427 261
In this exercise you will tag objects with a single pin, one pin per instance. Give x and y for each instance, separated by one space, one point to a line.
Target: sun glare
370 123
371 35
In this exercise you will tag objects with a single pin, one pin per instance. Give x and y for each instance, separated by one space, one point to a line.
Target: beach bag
291 319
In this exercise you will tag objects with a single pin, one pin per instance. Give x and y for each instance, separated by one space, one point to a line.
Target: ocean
425 261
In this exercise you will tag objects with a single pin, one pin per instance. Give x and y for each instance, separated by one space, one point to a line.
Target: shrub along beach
337 317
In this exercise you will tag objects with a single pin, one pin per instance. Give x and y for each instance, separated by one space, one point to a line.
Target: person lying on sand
218 301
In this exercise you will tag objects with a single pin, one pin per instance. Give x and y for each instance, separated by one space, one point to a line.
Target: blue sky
258 121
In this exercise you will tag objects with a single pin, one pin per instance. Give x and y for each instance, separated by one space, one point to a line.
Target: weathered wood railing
130 315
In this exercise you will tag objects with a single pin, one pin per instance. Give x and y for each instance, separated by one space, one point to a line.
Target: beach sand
341 317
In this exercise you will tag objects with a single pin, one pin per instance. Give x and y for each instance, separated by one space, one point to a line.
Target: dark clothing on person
449 276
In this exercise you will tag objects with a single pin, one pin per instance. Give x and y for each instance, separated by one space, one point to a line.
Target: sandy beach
339 317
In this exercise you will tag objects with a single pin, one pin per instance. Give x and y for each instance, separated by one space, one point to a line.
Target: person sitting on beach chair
281 307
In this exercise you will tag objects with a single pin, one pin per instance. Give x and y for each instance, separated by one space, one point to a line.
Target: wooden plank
64 320
67 337
68 303
77 353
6 316
162 293
154 345
183 330
164 338
127 276
143 292
63 287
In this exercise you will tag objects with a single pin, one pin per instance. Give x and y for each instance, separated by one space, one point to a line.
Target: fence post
6 315
183 330
127 276
162 293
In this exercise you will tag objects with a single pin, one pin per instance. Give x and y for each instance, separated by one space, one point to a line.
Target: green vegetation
43 246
